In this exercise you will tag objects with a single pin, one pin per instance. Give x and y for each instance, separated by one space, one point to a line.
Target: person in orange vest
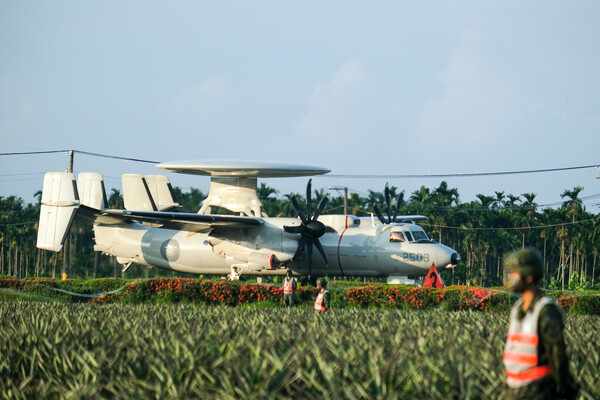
324 297
289 289
535 355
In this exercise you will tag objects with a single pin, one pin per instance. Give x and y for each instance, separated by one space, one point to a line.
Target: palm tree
264 191
485 201
499 200
574 206
421 195
562 235
268 198
190 201
115 201
529 200
444 196
512 201
573 201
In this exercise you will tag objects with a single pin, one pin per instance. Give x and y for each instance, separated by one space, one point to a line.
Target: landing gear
126 266
234 275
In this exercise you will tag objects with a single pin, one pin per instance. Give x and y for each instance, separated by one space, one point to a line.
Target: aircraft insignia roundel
170 250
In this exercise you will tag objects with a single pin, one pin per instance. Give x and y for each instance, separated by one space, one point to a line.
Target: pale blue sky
390 87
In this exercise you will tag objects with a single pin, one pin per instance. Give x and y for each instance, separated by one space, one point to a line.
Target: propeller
390 218
310 229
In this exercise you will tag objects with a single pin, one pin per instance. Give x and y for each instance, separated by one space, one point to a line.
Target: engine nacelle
258 261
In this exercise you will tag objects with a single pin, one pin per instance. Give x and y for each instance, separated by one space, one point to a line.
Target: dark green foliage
482 231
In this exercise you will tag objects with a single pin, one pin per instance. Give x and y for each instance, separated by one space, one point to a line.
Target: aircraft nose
455 258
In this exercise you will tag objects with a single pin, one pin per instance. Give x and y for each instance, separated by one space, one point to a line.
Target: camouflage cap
527 261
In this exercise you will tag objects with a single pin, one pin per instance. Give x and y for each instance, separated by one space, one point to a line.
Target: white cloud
200 104
476 110
338 110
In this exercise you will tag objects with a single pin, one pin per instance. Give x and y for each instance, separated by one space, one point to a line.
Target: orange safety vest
521 351
288 287
319 302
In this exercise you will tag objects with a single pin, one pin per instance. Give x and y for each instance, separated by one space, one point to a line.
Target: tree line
482 231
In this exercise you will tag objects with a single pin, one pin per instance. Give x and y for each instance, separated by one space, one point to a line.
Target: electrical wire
459 175
80 152
463 228
359 176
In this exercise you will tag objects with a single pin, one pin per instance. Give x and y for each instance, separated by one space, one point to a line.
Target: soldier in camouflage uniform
535 356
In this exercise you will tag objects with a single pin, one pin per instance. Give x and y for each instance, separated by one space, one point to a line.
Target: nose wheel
234 275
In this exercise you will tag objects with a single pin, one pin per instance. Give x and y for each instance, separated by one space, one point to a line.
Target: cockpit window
420 235
396 237
409 236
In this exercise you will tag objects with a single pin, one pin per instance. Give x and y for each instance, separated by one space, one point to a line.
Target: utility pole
67 246
345 189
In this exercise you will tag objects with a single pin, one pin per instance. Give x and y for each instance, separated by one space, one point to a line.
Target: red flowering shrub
420 297
372 295
344 294
568 302
166 290
10 283
381 295
477 299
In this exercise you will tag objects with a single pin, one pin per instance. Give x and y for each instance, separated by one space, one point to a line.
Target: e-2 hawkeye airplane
150 231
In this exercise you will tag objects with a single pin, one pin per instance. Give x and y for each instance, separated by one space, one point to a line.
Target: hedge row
344 295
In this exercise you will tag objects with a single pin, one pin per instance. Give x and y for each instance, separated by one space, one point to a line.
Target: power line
359 176
26 153
462 228
117 157
80 152
19 223
460 175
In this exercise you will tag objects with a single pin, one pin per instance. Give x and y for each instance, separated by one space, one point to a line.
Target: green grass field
54 350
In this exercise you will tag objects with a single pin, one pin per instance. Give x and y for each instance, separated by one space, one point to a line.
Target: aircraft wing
409 218
183 221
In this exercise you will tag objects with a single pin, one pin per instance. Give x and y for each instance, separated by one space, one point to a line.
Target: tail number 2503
415 257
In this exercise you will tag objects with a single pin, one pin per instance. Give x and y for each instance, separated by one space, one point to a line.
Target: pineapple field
52 349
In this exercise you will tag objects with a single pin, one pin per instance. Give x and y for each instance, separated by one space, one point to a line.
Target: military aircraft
150 231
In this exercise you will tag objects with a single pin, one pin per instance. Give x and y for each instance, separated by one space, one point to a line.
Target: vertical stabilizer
91 190
161 192
60 202
136 194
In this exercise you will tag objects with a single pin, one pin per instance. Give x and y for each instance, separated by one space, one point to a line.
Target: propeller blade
298 210
320 248
320 207
300 249
378 214
308 199
387 203
294 229
309 255
398 201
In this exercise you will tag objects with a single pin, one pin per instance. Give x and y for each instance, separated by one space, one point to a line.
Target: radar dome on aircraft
238 168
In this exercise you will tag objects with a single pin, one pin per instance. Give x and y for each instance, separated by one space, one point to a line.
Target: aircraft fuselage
350 250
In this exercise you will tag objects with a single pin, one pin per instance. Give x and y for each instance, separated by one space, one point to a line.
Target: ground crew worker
289 289
535 356
324 297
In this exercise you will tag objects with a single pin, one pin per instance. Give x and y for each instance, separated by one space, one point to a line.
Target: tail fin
161 192
136 194
91 190
147 193
60 201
